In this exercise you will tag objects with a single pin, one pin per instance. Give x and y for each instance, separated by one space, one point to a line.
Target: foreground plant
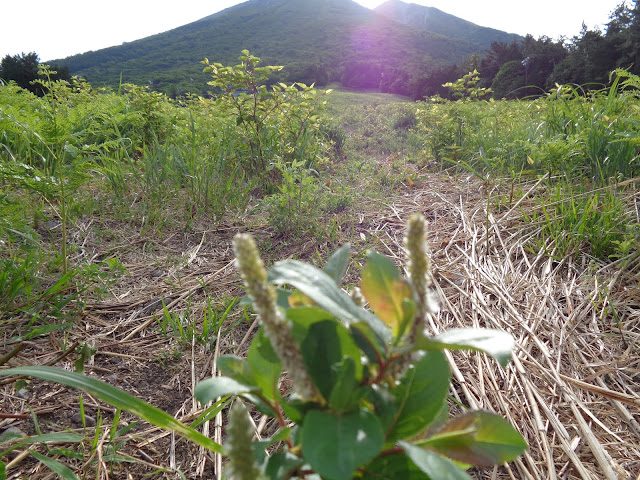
369 389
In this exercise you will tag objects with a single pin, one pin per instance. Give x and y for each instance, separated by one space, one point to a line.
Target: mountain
316 40
432 20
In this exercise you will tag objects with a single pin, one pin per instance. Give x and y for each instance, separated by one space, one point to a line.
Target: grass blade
118 398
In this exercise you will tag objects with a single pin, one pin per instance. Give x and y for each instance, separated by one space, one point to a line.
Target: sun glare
370 3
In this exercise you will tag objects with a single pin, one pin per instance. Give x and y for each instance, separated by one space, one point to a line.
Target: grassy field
117 211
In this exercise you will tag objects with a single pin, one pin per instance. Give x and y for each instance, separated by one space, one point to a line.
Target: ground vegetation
119 292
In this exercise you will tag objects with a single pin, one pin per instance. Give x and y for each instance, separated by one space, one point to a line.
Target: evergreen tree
592 55
499 54
629 30
23 69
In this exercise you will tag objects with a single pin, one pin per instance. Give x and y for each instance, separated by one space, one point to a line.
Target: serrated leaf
320 287
211 388
496 343
385 290
420 396
478 438
435 466
338 262
116 397
336 445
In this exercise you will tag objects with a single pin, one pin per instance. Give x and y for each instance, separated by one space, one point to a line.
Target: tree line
24 70
522 68
511 70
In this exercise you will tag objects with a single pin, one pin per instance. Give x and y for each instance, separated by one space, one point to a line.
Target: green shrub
276 125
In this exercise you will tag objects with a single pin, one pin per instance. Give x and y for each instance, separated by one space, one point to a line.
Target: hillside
433 20
317 40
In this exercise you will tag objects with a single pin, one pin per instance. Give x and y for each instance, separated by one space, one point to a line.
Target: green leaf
320 287
236 368
281 465
345 392
265 365
211 412
282 300
117 398
302 318
325 346
281 435
393 467
420 396
409 315
3 471
44 438
338 262
86 352
496 343
435 466
58 468
369 342
386 291
336 445
294 408
212 388
478 438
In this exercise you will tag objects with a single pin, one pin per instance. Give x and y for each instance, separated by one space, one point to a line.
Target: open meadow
117 214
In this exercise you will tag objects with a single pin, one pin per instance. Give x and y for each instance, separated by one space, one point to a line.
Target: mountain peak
433 20
316 40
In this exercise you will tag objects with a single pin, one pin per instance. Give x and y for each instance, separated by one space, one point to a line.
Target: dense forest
533 66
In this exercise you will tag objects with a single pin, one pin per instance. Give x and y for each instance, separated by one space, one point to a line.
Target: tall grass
582 141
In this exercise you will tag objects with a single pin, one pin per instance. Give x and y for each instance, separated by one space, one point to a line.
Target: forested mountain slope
317 40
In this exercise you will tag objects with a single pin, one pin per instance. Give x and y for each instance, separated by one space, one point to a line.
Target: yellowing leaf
478 438
299 299
530 160
386 291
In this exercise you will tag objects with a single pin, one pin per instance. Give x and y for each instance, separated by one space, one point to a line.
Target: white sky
58 29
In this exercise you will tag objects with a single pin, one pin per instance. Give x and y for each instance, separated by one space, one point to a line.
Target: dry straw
572 387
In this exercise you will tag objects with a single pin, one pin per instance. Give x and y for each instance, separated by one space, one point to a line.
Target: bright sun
370 3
